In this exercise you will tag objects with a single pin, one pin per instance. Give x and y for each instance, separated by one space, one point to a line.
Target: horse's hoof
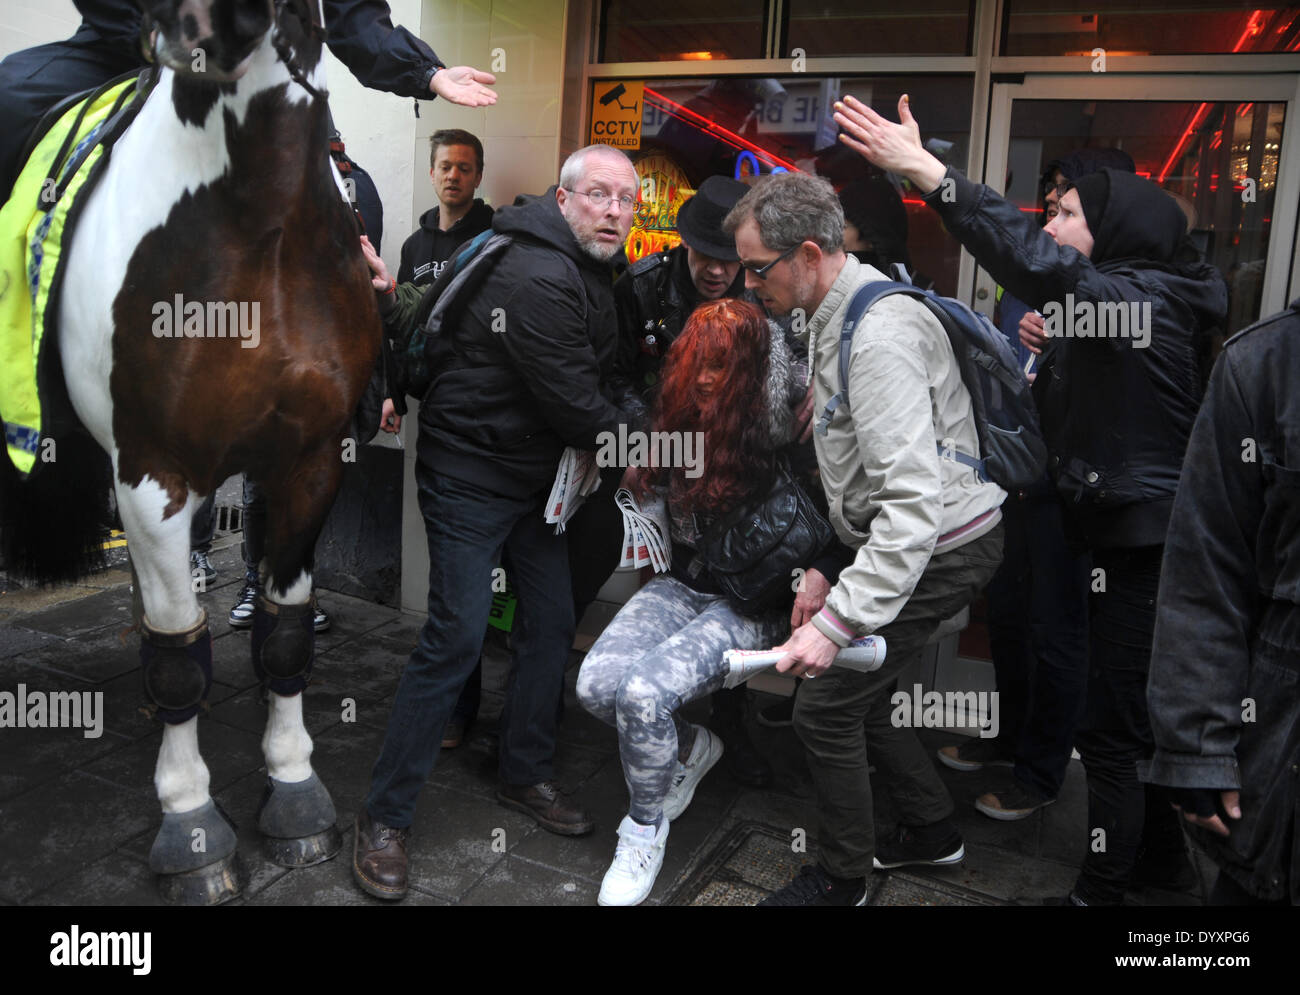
297 822
305 850
214 884
189 841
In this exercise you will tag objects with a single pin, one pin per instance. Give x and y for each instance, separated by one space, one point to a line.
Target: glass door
1224 148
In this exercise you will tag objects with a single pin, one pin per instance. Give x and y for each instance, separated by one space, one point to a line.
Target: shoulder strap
862 301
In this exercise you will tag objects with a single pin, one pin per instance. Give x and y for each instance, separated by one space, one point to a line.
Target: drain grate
227 519
754 860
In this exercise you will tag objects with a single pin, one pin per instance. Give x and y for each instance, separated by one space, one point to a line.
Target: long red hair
732 337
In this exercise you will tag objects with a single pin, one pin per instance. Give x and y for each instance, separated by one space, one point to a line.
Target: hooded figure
1118 388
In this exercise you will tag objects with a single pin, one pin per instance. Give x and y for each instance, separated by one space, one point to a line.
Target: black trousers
1125 816
35 79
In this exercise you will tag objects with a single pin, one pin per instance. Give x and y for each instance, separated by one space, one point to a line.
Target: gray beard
596 251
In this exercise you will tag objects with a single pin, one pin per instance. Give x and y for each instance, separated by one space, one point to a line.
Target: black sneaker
201 566
320 621
241 616
814 886
938 845
976 754
1011 803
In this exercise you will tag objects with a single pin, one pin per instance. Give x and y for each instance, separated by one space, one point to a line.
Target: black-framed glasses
762 271
599 198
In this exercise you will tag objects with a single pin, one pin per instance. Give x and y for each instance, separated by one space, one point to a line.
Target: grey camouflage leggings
663 649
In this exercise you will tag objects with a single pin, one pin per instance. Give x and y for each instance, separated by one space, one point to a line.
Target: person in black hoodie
456 169
523 372
1117 408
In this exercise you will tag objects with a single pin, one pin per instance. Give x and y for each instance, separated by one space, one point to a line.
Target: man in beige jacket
926 531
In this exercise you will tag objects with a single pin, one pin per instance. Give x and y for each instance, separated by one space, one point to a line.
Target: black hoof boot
298 823
194 857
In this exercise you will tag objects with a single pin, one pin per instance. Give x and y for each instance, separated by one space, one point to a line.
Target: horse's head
213 39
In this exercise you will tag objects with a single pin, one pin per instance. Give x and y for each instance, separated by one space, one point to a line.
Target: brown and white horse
216 318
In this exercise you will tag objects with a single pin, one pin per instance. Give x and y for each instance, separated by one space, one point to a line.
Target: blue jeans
468 528
1038 633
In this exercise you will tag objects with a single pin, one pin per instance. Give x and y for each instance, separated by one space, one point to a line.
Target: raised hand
464 85
895 148
379 278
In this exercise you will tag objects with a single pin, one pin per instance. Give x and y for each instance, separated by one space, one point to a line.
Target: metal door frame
1282 261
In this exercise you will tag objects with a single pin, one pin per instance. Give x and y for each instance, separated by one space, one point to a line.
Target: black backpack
441 302
1006 421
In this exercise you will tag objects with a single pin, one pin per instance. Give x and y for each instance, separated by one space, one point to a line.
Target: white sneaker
637 860
706 752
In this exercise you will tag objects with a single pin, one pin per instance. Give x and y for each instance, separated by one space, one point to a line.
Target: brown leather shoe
553 810
379 858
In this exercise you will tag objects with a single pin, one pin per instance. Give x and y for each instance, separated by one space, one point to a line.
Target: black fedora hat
699 221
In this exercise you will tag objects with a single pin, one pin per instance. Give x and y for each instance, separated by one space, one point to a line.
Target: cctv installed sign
616 115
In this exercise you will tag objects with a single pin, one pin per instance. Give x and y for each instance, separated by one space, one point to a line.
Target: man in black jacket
1226 660
456 169
1131 314
108 43
522 373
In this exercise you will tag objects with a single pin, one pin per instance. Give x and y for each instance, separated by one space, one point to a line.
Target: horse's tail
52 524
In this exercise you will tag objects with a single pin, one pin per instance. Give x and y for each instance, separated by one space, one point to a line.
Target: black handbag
752 554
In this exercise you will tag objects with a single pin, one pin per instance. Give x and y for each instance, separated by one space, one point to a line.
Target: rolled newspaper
863 655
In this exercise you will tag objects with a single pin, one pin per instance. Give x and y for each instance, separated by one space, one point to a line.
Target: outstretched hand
379 278
895 148
464 85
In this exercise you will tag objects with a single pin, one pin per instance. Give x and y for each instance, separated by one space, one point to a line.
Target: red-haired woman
729 377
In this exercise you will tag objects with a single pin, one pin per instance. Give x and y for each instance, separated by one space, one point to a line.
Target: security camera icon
614 95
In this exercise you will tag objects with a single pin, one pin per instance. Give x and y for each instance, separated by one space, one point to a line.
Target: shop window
1150 27
675 30
828 28
742 127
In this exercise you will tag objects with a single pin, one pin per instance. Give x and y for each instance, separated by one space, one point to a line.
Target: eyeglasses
1059 189
762 271
599 198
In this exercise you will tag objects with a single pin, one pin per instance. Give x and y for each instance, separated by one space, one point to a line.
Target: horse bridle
285 54
283 50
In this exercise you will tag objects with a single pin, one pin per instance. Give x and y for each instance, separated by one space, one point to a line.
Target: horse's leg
194 851
297 817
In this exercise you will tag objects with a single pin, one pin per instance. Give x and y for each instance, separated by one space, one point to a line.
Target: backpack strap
863 298
862 301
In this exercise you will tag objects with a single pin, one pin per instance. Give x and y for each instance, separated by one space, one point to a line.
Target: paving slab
63 827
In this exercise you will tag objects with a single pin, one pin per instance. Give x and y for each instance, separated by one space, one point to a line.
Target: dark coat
1116 418
360 34
429 247
525 370
1227 636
